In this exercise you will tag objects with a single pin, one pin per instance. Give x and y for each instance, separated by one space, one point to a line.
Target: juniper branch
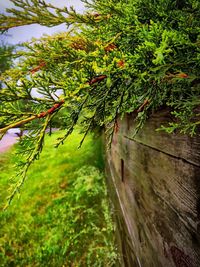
34 155
24 121
30 12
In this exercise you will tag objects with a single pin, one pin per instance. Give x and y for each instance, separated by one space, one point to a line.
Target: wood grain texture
154 180
177 145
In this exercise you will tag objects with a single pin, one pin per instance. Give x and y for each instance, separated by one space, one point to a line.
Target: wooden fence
154 182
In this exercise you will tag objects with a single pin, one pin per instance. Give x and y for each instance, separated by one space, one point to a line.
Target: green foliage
5 57
116 57
5 62
62 217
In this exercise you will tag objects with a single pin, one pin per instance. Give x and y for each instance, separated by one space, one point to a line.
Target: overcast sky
25 33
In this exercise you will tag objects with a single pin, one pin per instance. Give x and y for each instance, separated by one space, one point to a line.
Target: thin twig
24 121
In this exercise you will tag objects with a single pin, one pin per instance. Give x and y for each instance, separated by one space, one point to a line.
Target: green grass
62 216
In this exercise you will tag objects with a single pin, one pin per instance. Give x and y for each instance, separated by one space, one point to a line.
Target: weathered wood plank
177 145
157 197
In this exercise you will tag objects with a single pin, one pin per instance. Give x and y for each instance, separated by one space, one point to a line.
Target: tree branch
41 115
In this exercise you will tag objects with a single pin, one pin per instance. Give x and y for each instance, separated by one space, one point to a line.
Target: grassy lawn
61 217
